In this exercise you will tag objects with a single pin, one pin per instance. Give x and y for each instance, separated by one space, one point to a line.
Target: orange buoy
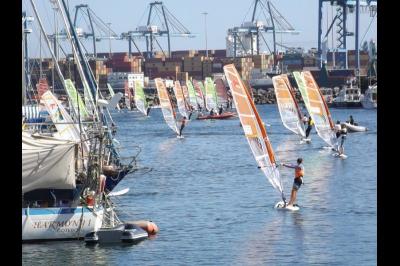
150 227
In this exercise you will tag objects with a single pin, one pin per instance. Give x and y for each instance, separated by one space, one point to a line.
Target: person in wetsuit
298 179
220 110
183 123
310 123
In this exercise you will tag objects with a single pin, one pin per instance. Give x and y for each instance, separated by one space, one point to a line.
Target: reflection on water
215 207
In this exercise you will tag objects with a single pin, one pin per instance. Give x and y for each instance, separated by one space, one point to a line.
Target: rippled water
214 207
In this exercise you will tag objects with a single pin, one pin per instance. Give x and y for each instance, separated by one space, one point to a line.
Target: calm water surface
214 207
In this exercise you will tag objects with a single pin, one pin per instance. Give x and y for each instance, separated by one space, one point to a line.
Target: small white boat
348 97
355 128
369 100
59 223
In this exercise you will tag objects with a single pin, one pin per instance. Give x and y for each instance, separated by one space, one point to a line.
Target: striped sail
222 95
287 105
180 99
127 95
166 106
66 128
302 88
76 100
211 94
185 93
253 127
192 94
140 98
319 111
199 93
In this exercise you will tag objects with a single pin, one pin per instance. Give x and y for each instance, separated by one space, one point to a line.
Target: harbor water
215 207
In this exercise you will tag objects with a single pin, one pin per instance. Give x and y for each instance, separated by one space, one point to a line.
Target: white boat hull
354 128
59 223
369 105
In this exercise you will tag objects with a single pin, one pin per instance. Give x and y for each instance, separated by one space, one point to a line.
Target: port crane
275 23
343 7
168 26
98 30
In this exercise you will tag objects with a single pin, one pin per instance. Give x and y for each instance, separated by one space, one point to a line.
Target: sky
126 15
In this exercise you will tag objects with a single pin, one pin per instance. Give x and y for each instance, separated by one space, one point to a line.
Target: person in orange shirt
298 179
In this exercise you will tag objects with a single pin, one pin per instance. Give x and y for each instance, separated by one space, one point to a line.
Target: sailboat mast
23 68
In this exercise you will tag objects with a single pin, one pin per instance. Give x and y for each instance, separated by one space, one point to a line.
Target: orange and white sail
319 111
128 95
253 127
180 99
166 106
289 110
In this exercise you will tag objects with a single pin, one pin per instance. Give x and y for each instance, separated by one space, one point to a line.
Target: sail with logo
211 94
288 108
140 98
318 110
166 106
180 99
192 94
254 129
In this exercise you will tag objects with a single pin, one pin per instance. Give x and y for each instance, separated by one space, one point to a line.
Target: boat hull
345 105
354 128
59 223
369 105
222 116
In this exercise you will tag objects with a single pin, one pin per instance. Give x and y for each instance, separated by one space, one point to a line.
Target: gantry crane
275 23
169 27
343 7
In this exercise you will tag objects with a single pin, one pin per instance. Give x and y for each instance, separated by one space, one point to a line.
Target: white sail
253 127
166 106
288 108
49 162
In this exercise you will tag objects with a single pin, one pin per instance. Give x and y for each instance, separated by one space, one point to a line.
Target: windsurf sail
76 100
253 127
211 94
140 98
319 111
128 95
199 93
185 93
222 95
42 87
166 106
192 94
302 88
288 109
180 99
66 128
110 89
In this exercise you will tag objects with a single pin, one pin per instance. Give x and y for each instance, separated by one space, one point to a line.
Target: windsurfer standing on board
341 130
183 123
310 124
298 179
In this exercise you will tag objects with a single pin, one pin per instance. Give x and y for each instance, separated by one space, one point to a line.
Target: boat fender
102 183
150 227
90 198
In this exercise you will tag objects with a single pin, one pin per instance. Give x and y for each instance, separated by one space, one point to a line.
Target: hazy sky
126 15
